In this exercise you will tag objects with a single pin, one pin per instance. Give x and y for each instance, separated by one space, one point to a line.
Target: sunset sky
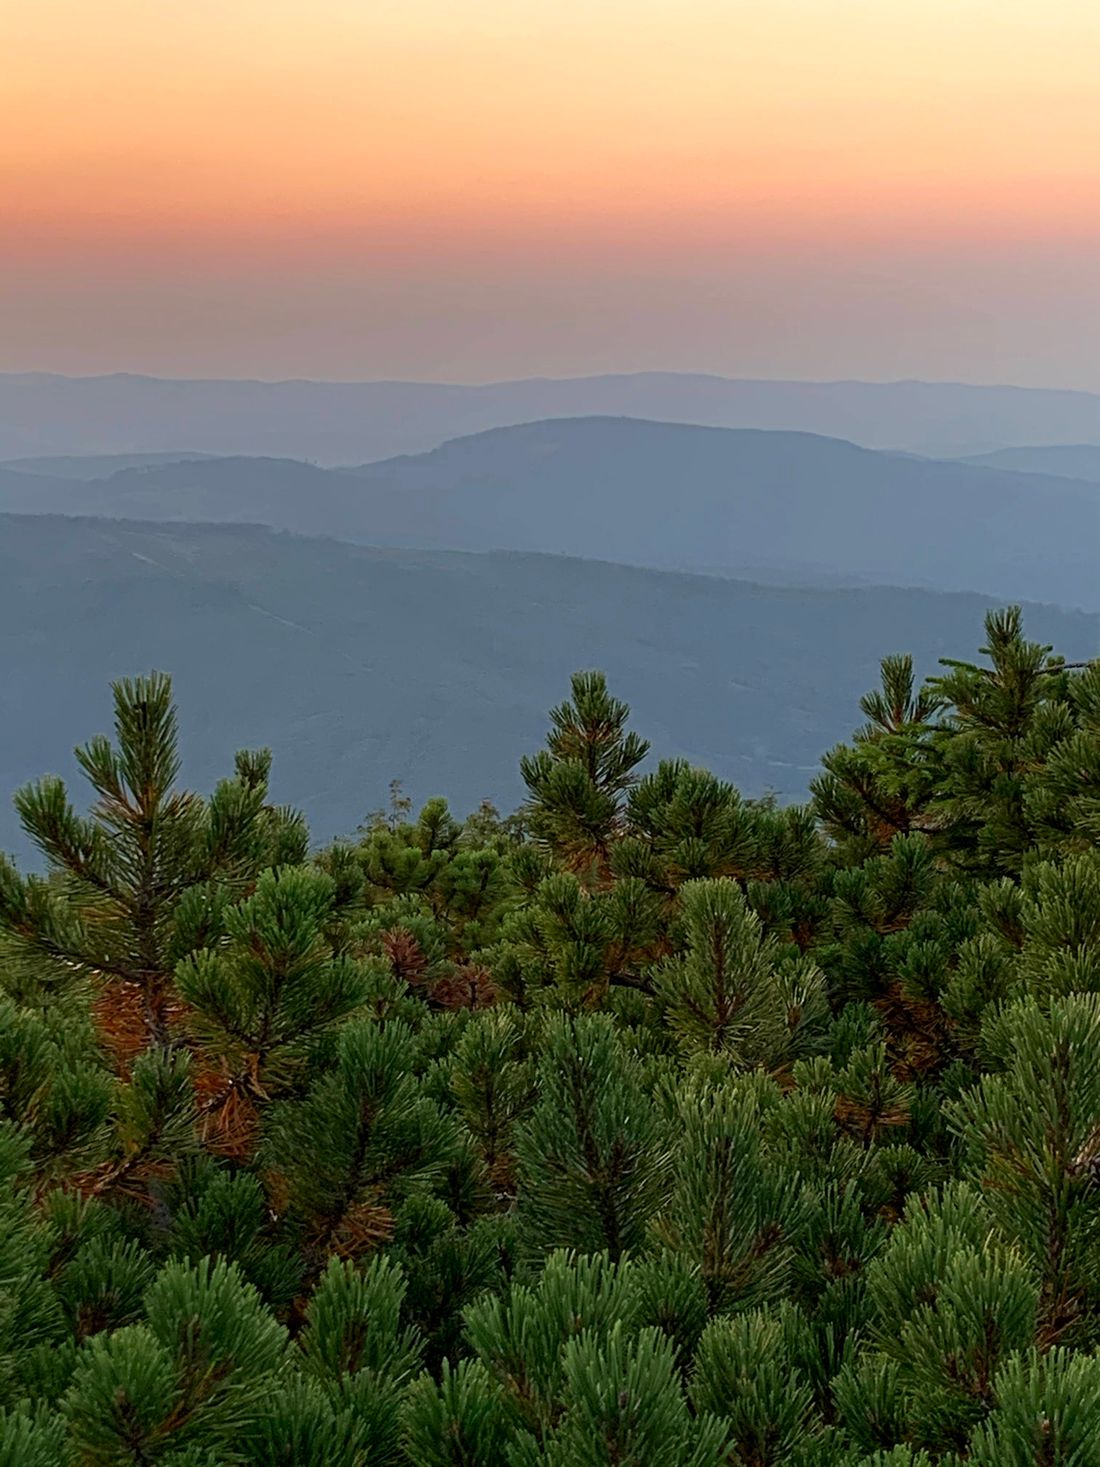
472 189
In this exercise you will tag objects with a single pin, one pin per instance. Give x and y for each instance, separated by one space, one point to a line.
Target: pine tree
1032 1138
592 1155
145 878
340 1157
729 991
192 1374
746 1376
493 1083
693 824
1062 799
1004 720
731 1211
259 1002
880 786
577 783
1046 1409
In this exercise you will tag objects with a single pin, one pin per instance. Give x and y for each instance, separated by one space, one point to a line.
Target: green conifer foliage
360 1356
522 1335
880 786
1062 804
342 1155
728 990
29 1441
578 781
695 825
747 1376
493 1084
654 1126
1031 1133
1046 1409
623 1402
731 1211
1003 721
144 879
193 1374
1059 915
592 1155
259 1002
462 1421
570 946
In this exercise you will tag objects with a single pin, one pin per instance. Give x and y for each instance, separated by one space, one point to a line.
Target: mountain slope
789 506
1062 460
360 665
672 495
283 493
340 422
92 466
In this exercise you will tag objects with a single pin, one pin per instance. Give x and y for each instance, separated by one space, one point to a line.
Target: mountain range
92 465
387 580
340 422
361 665
791 507
1064 460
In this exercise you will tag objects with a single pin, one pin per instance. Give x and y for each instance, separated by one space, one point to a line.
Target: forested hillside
793 507
1066 460
650 1125
362 665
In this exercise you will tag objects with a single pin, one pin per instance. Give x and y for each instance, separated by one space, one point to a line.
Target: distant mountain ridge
793 506
93 466
1062 460
341 422
359 665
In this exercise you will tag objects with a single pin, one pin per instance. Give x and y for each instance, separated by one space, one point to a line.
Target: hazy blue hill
1061 460
283 493
22 492
92 466
342 422
360 665
792 507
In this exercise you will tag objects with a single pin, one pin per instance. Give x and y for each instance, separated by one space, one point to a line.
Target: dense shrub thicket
651 1126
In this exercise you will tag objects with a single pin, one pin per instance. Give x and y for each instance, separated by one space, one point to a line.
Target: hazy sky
470 189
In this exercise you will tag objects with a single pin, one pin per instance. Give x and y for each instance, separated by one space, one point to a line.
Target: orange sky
188 141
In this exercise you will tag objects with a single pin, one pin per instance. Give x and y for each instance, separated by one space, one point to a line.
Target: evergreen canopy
653 1125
